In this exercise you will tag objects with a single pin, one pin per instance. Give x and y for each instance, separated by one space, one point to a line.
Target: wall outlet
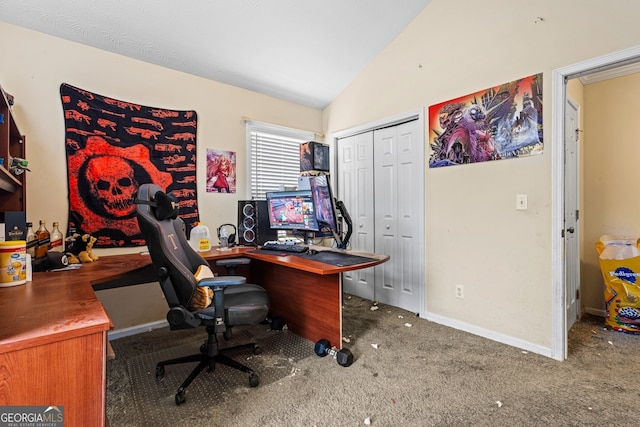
460 291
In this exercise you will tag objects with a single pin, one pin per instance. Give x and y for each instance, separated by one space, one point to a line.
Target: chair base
207 358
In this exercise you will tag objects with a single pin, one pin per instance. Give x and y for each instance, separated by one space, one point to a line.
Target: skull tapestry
114 146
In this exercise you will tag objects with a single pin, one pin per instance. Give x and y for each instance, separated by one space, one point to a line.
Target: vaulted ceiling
305 51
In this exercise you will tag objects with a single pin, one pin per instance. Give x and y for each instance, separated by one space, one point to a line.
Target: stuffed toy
80 251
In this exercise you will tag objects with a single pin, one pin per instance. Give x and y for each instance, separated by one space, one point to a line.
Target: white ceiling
305 51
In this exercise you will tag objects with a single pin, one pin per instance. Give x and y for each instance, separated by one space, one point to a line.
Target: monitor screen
324 203
292 210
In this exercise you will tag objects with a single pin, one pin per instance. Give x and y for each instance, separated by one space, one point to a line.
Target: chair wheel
257 349
180 398
254 380
277 324
203 348
159 372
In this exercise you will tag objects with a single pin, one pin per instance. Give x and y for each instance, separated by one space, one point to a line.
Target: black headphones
232 236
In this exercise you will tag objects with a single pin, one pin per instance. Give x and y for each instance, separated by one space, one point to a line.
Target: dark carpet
407 372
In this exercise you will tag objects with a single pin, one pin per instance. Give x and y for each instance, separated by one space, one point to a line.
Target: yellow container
13 263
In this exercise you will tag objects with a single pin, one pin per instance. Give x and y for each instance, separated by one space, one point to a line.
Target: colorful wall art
500 122
221 171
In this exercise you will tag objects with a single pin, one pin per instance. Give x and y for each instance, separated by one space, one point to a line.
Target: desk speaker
253 223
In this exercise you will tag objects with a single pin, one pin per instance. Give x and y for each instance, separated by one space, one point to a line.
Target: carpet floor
407 372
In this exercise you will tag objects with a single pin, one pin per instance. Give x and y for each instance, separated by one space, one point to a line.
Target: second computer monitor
292 210
324 203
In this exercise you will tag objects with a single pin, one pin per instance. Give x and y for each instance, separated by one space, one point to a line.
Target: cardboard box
15 225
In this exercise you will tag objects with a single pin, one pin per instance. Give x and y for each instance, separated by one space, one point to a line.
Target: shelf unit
12 144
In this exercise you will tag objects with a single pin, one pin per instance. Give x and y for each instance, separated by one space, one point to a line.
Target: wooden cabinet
12 144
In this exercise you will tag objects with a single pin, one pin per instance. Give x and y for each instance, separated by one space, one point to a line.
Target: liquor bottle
32 240
56 238
44 240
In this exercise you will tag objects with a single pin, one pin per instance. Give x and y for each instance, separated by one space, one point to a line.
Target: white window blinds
274 157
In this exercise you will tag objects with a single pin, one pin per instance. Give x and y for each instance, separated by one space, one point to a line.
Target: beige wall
34 65
474 236
611 160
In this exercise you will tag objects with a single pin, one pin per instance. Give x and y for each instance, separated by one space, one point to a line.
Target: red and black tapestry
115 146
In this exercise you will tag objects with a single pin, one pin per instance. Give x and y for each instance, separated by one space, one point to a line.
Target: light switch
521 202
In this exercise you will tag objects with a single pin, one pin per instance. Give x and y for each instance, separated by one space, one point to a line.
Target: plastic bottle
200 239
56 238
224 238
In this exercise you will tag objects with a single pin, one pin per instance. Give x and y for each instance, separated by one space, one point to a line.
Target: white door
398 161
571 213
355 189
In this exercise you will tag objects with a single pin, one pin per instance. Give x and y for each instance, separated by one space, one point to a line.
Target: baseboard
595 311
485 333
133 330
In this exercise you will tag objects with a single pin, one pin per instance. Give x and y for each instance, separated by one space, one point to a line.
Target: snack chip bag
620 266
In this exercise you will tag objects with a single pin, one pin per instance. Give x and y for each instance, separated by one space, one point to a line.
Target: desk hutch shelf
12 144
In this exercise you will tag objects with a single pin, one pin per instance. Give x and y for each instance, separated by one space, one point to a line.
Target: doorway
562 259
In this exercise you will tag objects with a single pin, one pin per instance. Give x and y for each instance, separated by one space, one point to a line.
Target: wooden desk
53 330
53 335
307 294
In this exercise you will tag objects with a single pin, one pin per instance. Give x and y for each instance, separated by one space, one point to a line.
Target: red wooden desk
306 293
53 330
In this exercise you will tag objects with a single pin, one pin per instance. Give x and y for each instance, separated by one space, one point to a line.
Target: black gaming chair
233 302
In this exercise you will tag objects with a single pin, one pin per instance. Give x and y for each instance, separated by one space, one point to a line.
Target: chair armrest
223 281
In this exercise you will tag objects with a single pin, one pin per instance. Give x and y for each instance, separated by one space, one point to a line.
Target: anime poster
221 171
498 123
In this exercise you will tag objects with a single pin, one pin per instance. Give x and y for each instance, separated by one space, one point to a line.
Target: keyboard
284 247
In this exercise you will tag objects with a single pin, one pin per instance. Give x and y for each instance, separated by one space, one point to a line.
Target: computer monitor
292 210
325 204
326 211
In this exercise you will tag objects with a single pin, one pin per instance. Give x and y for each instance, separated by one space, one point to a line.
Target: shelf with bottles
12 146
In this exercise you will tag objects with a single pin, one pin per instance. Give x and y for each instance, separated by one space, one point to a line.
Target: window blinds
274 157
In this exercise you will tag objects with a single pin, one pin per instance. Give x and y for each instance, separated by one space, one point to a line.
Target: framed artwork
221 171
500 122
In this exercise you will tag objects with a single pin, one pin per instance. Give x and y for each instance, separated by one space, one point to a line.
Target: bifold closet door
398 228
355 189
381 183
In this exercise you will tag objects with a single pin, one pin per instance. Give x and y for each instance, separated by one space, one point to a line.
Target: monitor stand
309 237
343 241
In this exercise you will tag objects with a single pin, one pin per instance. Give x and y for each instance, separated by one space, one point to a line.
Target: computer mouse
312 252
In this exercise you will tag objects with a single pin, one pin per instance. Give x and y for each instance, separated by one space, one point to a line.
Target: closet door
355 189
398 153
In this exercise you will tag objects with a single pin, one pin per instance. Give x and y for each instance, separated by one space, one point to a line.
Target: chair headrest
167 206
164 206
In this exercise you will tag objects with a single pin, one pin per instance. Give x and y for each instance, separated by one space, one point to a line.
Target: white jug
200 239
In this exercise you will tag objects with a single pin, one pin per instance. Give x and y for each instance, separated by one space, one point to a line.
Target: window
274 157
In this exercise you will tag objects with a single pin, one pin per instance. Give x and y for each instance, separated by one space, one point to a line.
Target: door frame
387 122
559 338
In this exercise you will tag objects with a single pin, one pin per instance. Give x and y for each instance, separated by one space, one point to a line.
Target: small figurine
17 165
